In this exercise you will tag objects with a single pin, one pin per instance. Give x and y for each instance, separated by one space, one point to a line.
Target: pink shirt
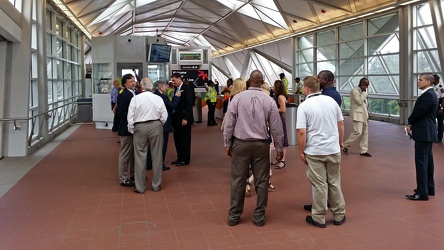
249 116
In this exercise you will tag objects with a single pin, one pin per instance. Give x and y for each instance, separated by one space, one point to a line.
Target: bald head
256 79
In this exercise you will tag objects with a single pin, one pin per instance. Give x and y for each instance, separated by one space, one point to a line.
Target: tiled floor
72 200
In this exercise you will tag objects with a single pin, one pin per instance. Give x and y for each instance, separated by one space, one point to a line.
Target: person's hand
179 93
439 112
341 145
228 151
409 129
184 122
302 157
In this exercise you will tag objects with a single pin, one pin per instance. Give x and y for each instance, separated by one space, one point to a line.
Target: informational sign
189 66
197 77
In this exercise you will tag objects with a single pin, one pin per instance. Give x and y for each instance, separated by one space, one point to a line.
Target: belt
145 122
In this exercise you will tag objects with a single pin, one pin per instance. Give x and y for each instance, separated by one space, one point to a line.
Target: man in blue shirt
326 81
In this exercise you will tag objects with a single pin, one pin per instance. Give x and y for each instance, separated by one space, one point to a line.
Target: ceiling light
72 17
409 2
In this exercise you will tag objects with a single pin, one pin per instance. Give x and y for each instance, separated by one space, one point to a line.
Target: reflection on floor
72 199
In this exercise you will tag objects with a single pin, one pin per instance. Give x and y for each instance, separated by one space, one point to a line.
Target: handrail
64 114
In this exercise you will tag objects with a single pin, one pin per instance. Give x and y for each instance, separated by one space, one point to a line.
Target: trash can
290 120
84 110
197 111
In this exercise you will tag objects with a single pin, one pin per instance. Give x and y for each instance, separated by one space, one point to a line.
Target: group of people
253 121
252 117
144 121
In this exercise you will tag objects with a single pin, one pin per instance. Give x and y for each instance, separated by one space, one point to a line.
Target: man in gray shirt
250 114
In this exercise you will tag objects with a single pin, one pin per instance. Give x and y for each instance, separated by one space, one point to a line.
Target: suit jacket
170 106
423 117
358 105
184 109
123 102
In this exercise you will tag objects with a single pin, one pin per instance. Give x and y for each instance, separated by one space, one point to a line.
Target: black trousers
211 110
182 141
424 168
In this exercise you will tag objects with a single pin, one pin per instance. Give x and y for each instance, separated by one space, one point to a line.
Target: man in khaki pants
359 116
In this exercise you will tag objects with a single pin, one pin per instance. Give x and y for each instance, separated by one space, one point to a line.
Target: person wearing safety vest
211 99
285 81
170 91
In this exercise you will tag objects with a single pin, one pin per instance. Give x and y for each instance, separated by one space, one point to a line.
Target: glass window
59 48
48 44
69 52
383 44
50 92
326 53
326 65
305 56
388 84
59 27
305 42
34 68
59 90
59 69
48 20
383 25
326 38
351 49
351 32
351 67
425 38
306 69
49 68
67 73
423 15
388 64
68 34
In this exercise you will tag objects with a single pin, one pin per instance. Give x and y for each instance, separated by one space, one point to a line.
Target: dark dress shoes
431 193
128 183
165 168
175 162
417 197
181 163
366 154
308 207
310 220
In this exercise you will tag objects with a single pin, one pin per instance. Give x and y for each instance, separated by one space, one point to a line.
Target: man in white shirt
146 116
320 128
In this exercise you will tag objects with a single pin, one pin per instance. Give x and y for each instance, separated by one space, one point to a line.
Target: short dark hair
281 75
176 75
436 78
297 79
125 78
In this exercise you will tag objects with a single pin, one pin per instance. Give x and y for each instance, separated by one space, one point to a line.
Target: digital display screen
159 53
190 56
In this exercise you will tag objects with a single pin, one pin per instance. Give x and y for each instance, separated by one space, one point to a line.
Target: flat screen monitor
159 53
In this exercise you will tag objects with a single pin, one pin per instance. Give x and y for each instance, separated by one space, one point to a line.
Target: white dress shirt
144 107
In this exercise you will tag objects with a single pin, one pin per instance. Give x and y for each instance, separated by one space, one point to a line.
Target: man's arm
357 97
302 137
341 133
130 116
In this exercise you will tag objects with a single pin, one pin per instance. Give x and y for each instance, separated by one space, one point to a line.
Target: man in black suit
423 129
182 121
160 90
126 156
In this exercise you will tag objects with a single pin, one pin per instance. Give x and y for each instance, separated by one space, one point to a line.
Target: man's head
161 86
436 79
229 82
256 79
297 79
176 79
128 81
116 83
211 83
282 76
363 84
311 85
425 80
326 79
147 84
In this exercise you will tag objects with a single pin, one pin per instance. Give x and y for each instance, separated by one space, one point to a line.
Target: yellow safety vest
211 95
285 81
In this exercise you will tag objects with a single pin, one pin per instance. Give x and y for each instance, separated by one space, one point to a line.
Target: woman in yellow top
211 99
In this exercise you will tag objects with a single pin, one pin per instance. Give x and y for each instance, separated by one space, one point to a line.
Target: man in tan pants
359 116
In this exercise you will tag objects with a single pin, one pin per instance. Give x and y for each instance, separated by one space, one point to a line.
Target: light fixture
409 2
61 5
